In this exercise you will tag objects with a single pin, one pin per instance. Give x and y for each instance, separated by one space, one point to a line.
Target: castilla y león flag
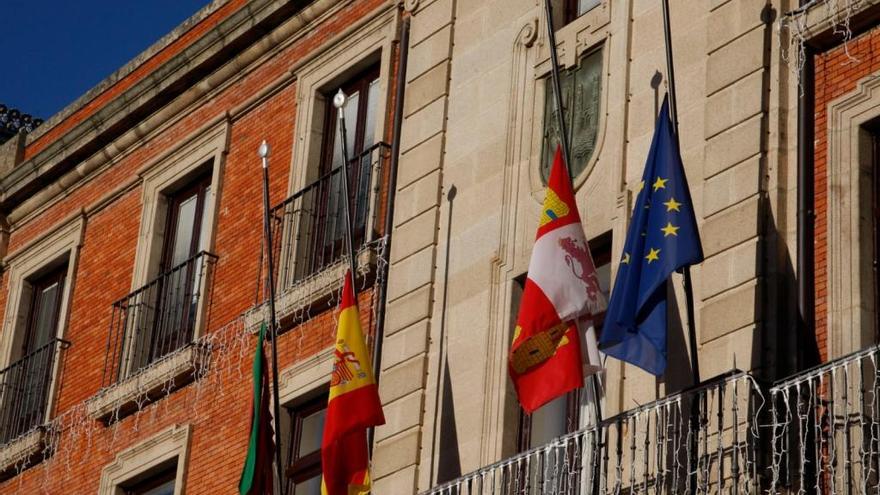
545 357
353 406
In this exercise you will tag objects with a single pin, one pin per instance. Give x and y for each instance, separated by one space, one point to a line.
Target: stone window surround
587 34
58 245
158 450
301 382
370 43
851 309
168 170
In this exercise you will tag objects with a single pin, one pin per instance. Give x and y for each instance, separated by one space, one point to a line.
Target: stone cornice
92 136
127 69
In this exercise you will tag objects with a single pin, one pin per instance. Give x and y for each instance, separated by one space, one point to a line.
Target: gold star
672 204
625 260
640 187
660 183
670 230
653 255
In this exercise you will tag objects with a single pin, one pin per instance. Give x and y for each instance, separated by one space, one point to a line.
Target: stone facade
466 206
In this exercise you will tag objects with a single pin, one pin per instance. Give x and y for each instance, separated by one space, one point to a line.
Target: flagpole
273 328
563 140
339 102
686 270
673 115
557 88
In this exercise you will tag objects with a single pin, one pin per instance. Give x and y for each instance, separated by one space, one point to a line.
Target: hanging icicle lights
72 435
794 30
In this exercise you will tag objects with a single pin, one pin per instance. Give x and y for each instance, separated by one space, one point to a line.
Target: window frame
199 186
42 282
170 447
303 468
153 480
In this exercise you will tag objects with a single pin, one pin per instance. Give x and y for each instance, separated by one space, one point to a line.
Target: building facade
134 266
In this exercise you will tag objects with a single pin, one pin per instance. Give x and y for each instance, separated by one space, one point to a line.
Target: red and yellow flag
353 406
562 288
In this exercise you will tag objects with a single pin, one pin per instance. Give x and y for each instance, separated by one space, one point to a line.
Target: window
563 415
162 315
581 91
26 382
307 428
161 483
360 117
155 466
576 8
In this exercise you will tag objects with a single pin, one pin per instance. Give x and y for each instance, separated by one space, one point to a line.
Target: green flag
257 476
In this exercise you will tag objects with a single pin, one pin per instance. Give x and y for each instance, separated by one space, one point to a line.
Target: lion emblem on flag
577 257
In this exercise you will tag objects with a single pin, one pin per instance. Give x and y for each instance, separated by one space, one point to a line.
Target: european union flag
662 238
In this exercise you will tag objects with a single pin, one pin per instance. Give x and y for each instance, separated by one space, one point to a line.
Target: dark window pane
307 429
161 483
184 230
311 432
46 302
549 422
585 6
370 118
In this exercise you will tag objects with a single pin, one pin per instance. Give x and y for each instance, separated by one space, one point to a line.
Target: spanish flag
353 406
560 297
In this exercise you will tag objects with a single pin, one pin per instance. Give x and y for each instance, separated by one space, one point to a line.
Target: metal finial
339 99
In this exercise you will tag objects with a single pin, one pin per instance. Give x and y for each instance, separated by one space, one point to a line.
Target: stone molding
237 68
305 377
294 303
850 272
156 380
22 451
153 453
127 69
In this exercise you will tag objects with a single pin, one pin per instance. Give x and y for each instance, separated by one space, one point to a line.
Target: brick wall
838 71
218 408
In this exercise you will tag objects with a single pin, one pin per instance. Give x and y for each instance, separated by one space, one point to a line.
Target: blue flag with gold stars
662 238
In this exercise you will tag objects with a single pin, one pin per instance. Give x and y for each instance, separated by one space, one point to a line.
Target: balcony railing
703 440
310 225
25 390
826 428
157 319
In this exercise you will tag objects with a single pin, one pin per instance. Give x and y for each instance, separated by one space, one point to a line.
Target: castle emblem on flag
554 208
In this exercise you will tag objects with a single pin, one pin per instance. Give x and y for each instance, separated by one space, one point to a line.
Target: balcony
825 437
703 440
310 230
26 389
151 337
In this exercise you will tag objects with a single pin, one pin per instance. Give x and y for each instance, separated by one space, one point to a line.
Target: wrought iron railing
703 440
25 388
826 428
310 225
157 319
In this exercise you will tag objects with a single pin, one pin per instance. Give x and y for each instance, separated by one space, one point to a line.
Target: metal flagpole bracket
339 101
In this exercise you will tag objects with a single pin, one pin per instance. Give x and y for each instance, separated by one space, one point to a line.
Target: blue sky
53 51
